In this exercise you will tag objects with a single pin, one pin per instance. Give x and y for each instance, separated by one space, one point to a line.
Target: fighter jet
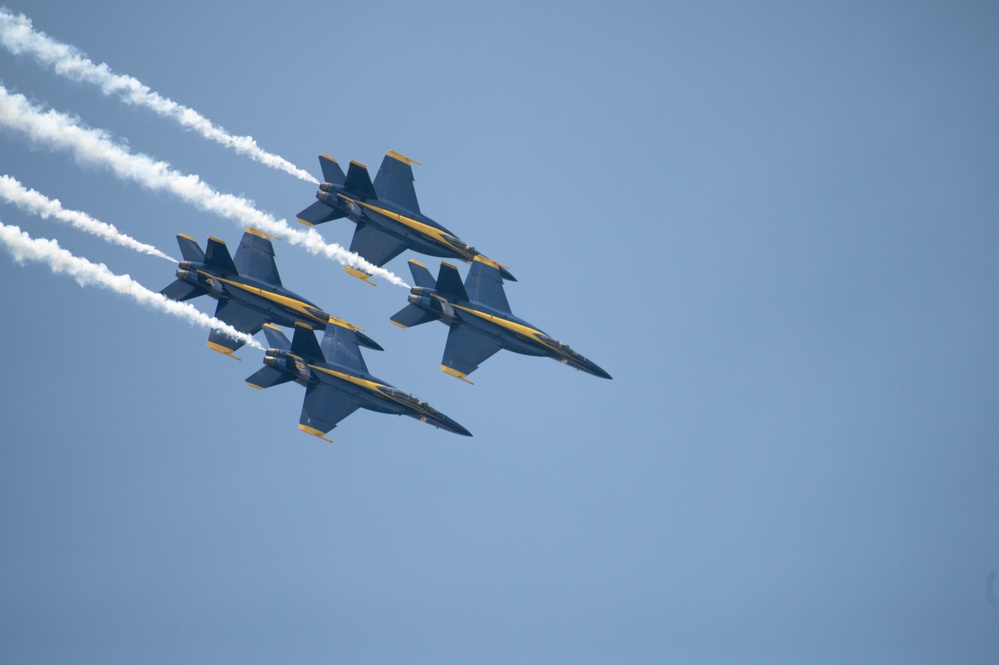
336 380
386 213
248 289
480 320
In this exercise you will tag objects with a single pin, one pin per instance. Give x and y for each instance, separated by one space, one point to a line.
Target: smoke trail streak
17 36
32 201
94 146
23 247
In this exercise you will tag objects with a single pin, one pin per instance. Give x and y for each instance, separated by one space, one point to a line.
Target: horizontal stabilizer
268 377
189 249
449 282
411 315
217 256
180 291
219 341
319 213
275 337
359 182
421 275
332 173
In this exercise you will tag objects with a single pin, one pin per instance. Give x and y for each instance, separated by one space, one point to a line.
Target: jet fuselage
367 391
281 306
507 330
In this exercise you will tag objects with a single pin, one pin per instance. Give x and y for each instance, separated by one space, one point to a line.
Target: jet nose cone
591 367
452 426
596 371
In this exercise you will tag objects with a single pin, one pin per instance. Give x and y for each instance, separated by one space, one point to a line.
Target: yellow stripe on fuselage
370 386
423 229
289 303
518 328
349 378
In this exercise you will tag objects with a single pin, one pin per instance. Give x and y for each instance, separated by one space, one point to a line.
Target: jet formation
388 220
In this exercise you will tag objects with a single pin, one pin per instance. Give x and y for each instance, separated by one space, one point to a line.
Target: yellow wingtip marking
302 221
402 158
417 263
303 325
482 258
186 237
254 386
325 156
343 324
354 161
314 432
223 350
216 239
396 323
272 326
449 265
456 374
260 234
361 275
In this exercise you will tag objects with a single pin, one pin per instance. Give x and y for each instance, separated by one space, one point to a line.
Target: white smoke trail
18 36
35 202
23 247
94 146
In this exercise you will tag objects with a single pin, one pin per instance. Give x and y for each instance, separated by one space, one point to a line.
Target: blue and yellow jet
248 288
386 213
336 380
480 320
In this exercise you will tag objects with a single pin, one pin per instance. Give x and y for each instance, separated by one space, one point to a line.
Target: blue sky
775 226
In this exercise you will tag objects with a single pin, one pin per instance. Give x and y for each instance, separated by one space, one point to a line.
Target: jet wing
484 285
394 181
323 408
255 257
241 318
340 347
465 350
376 246
319 213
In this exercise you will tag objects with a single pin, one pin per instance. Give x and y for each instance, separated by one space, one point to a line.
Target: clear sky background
776 225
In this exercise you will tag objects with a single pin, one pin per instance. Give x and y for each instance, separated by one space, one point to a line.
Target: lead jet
248 288
480 320
386 213
336 380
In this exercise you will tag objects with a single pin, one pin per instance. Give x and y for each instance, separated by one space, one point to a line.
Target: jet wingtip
319 434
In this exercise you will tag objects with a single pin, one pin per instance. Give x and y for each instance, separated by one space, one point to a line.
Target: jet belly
363 391
511 335
280 306
420 233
